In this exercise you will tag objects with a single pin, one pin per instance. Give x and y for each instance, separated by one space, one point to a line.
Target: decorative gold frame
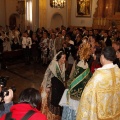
83 8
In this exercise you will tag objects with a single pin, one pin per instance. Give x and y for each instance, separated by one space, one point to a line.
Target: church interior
48 15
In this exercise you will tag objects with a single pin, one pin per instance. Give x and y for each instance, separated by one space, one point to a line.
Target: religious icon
84 8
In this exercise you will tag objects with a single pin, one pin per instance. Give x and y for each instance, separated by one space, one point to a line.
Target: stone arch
56 20
14 20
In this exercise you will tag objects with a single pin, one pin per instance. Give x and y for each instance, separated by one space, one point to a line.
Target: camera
4 90
3 81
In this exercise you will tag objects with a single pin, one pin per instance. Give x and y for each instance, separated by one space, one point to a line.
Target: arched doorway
56 21
14 20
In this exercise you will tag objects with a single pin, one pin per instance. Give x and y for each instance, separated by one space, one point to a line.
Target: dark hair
6 38
59 55
94 37
98 54
118 50
26 32
31 96
53 34
84 28
60 32
109 53
106 32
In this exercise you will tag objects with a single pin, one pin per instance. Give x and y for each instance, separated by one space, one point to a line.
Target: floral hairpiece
85 52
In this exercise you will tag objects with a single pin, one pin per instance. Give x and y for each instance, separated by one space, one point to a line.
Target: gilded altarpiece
107 13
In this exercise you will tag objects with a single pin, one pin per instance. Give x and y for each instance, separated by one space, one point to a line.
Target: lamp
59 3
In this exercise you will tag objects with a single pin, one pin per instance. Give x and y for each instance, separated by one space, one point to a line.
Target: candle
104 21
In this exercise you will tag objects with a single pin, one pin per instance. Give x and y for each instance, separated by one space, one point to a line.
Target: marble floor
23 76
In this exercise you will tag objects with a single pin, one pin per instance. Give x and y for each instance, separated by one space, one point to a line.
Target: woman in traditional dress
44 48
76 84
53 87
52 46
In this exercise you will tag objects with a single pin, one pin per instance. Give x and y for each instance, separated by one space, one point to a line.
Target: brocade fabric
100 99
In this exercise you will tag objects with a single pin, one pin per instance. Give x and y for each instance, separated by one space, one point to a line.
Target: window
29 11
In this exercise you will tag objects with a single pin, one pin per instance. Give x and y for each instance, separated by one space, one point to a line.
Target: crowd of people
82 78
42 45
85 59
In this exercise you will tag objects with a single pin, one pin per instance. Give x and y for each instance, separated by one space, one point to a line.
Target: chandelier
59 3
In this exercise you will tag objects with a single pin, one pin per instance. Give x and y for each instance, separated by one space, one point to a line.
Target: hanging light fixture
59 3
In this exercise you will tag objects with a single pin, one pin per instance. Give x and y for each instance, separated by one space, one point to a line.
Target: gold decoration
85 51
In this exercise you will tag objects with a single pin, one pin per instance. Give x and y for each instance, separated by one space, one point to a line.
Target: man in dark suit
1 45
29 31
107 39
96 34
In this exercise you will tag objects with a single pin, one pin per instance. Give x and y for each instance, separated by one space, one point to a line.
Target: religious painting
20 8
83 8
